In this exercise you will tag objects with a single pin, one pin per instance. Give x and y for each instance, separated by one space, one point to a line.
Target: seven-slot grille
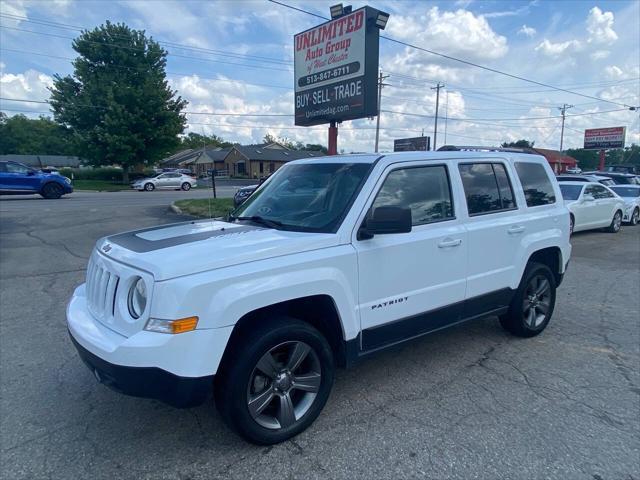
101 290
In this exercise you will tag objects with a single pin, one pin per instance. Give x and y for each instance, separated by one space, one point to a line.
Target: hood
192 247
140 180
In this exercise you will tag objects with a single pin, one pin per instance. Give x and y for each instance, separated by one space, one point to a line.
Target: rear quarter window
538 189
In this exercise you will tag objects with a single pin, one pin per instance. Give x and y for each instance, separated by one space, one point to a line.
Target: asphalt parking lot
467 403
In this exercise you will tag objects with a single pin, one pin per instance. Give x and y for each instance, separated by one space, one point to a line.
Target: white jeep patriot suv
330 260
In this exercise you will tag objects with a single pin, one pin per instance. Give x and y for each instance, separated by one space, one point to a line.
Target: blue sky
236 56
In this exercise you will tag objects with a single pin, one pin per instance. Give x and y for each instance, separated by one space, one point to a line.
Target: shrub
106 174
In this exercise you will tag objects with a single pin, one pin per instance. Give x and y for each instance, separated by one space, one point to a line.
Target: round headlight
137 298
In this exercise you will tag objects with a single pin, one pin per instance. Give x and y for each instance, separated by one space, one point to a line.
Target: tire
241 384
572 224
51 191
149 187
186 186
616 222
533 303
635 217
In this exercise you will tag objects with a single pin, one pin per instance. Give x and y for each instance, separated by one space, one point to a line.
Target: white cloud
13 7
30 85
600 27
455 33
551 49
599 54
527 31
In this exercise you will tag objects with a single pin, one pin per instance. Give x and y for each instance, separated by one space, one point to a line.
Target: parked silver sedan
166 181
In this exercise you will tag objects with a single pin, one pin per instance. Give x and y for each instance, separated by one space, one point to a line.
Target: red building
559 162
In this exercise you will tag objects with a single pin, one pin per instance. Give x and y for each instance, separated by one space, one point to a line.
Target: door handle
448 242
516 229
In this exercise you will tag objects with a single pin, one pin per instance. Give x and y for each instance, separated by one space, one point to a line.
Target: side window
590 190
486 187
601 192
17 168
535 183
424 190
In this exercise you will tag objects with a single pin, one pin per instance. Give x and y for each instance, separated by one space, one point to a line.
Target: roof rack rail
471 148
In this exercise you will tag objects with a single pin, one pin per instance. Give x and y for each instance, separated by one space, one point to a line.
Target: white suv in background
328 262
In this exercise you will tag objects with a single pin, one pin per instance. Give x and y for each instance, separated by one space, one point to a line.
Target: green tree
118 102
28 136
587 159
519 144
195 140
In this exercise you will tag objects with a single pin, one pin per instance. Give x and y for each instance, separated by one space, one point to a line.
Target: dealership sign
415 144
336 69
604 138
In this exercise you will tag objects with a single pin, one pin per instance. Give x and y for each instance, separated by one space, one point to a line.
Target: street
468 402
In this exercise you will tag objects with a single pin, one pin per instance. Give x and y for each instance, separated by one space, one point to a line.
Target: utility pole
446 115
435 127
563 110
380 85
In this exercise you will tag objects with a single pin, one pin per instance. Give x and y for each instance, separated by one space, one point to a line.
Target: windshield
626 191
570 192
308 197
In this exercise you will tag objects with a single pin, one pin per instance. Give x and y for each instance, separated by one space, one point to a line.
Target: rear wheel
616 222
149 187
635 217
533 303
572 223
51 191
186 186
275 381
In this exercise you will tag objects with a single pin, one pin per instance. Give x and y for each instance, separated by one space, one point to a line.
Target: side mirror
31 173
386 220
588 198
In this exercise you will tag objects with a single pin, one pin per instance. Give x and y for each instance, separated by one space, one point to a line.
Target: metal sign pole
333 138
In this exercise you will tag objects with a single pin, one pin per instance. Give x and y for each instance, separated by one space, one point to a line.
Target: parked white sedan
166 181
592 206
631 196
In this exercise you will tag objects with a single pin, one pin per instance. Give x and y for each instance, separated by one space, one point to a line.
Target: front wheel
149 187
533 303
52 191
616 222
635 217
186 186
276 380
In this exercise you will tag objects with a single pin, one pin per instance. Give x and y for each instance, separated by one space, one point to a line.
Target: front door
20 178
412 283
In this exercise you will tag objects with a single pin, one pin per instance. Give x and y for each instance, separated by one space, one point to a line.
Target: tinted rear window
537 187
486 187
570 192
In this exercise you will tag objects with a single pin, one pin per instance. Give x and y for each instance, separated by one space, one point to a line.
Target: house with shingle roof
253 161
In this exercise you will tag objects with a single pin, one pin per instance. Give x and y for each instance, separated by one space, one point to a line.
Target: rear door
606 202
495 232
411 283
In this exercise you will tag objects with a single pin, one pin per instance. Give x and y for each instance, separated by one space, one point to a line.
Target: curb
175 209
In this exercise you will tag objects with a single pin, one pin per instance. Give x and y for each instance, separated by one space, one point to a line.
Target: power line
173 54
466 62
178 74
66 26
229 114
506 119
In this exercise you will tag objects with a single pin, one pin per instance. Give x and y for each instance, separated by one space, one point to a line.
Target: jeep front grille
102 286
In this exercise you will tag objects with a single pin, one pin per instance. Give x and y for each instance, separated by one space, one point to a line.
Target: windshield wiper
261 220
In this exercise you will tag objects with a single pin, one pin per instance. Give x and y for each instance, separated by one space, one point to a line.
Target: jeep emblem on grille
106 248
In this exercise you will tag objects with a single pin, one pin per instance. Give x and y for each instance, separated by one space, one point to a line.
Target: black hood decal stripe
133 242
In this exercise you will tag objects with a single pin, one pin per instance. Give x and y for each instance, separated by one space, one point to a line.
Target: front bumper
177 369
147 382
